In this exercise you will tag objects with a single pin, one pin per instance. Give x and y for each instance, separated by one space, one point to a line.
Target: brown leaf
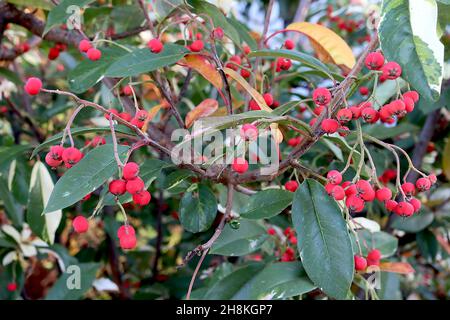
205 68
396 267
205 108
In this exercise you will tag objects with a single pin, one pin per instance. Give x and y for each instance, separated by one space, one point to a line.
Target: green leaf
62 290
8 154
232 286
267 203
323 240
219 20
65 10
176 181
428 244
42 4
305 59
87 73
243 33
126 17
380 131
386 243
13 209
56 139
85 177
412 41
415 223
238 242
41 186
280 280
163 8
143 60
148 172
198 209
11 76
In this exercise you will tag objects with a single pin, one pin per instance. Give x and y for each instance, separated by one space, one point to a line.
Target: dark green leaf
13 210
238 242
198 209
8 154
65 10
63 290
413 42
11 76
386 243
85 177
267 203
323 240
87 73
428 244
142 60
415 223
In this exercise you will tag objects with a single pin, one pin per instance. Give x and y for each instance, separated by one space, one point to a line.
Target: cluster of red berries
92 53
357 194
268 99
343 24
138 120
54 51
373 259
291 239
132 184
59 155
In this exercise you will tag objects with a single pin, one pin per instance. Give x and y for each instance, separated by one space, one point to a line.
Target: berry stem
68 125
114 139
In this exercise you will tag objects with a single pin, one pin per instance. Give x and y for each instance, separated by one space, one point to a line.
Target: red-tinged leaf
443 242
396 267
204 109
205 68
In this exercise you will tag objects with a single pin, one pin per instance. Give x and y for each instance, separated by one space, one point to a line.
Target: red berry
117 187
391 205
321 96
249 132
354 203
52 162
344 115
141 115
416 204
33 86
94 54
291 185
338 193
125 229
113 111
329 125
53 53
360 263
128 241
236 59
334 177
423 184
413 95
365 190
289 44
197 46
351 190
245 73
84 45
239 165
373 257
125 116
404 209
155 45
271 231
364 91
87 197
80 224
374 61
318 110
247 49
142 198
11 287
130 170
293 142
135 185
392 70
370 115
409 104
127 90
408 188
71 156
218 33
383 194
433 178
268 98
343 131
356 112
253 105
137 123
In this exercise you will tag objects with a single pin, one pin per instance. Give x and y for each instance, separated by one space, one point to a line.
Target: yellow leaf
396 267
446 160
206 108
205 68
151 114
328 45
